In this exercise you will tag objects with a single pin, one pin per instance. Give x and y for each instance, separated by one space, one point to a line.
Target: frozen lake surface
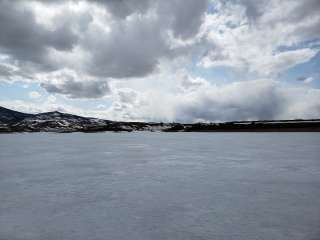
160 186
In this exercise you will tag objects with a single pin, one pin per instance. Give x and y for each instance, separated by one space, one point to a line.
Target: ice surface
160 186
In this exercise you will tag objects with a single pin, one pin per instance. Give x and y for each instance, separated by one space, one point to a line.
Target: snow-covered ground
156 186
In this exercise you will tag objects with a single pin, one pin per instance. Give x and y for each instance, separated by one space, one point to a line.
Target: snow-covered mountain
13 121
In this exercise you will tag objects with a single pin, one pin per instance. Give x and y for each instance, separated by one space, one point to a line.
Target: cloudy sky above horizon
162 60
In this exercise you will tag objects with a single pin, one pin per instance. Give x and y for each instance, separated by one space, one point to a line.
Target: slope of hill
10 116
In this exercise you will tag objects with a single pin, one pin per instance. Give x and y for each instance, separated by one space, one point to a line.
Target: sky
162 60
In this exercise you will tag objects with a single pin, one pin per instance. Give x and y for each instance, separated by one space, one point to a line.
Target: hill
14 121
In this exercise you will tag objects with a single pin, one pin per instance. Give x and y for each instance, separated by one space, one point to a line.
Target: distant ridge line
55 121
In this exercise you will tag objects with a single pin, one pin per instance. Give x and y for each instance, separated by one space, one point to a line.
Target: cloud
34 95
26 41
69 83
133 51
74 89
127 40
189 83
244 100
30 107
122 9
183 17
133 47
127 104
187 16
283 60
49 105
5 70
249 100
305 79
261 37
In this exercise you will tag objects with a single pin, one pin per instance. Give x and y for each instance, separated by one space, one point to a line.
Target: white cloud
34 95
282 61
132 53
51 99
196 99
308 80
264 39
243 100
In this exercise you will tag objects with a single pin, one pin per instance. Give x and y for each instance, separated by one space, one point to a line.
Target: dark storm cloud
253 8
7 73
301 78
186 15
75 89
124 8
254 100
23 39
132 48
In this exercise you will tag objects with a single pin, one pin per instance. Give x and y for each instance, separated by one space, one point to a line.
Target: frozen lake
160 186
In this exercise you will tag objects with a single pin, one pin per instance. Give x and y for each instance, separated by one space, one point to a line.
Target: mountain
56 122
10 116
13 121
